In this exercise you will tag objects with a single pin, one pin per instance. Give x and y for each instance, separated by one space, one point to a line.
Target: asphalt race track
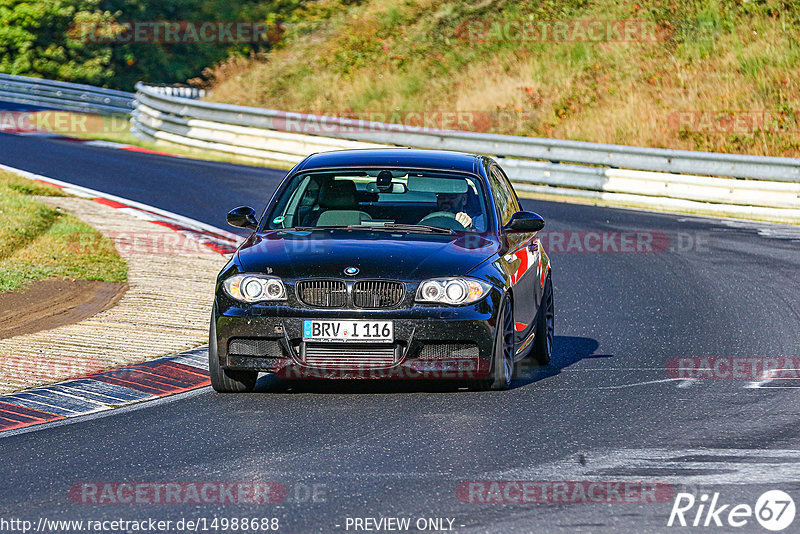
208 185
607 408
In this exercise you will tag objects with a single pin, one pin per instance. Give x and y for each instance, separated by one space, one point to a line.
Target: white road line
104 144
639 383
768 230
139 214
84 394
579 369
199 361
620 386
77 192
65 391
676 466
770 376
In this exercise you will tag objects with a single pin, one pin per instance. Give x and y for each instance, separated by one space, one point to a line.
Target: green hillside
713 75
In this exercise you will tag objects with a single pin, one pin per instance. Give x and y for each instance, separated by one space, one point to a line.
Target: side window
504 196
293 202
504 179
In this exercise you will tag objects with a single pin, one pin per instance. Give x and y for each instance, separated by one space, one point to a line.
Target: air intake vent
269 348
378 294
349 356
445 351
322 293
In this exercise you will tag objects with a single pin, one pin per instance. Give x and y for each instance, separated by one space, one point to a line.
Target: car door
522 259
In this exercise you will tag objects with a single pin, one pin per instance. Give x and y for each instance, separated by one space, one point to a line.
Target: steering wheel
442 219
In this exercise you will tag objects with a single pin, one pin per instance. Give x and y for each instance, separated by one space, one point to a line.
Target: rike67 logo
774 510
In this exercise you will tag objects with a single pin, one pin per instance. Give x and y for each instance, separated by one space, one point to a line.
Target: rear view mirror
398 188
523 222
243 217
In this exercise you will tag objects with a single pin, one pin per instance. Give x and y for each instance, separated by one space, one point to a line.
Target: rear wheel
225 380
543 342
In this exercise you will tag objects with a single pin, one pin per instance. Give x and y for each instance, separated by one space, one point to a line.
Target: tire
224 380
502 370
545 326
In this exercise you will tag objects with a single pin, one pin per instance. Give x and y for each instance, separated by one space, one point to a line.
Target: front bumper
430 342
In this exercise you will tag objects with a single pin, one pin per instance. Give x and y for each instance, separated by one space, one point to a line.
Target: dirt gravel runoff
165 309
48 304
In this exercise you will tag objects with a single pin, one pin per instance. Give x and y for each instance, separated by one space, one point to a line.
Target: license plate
380 331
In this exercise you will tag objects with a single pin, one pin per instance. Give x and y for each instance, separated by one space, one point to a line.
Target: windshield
381 198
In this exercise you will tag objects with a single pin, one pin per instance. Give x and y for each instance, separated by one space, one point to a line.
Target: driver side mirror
243 217
524 222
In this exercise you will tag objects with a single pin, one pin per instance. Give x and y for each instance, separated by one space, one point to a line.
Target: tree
59 39
178 62
35 40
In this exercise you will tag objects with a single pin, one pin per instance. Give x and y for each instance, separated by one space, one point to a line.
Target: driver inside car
456 203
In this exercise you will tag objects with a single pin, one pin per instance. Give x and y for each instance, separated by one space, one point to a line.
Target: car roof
394 157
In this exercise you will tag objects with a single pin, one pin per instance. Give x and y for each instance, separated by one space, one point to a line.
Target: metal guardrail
63 95
676 180
721 184
178 90
553 150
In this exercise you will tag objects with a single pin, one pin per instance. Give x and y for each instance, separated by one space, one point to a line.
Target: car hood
327 253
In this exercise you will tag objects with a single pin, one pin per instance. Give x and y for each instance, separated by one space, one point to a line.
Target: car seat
338 205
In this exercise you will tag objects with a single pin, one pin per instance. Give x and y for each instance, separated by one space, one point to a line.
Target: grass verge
38 242
710 75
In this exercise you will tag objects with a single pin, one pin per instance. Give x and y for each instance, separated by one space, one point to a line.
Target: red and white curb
106 390
215 238
132 383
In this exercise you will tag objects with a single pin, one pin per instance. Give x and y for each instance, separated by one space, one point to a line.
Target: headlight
454 291
254 287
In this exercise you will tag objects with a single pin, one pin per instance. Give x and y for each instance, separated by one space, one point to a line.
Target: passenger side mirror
243 217
524 222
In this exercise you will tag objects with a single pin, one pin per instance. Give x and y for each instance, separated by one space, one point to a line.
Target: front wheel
502 370
225 380
543 342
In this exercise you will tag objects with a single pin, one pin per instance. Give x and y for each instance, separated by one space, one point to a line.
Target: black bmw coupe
387 263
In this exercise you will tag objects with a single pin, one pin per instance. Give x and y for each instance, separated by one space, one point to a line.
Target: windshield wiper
389 227
421 228
306 228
